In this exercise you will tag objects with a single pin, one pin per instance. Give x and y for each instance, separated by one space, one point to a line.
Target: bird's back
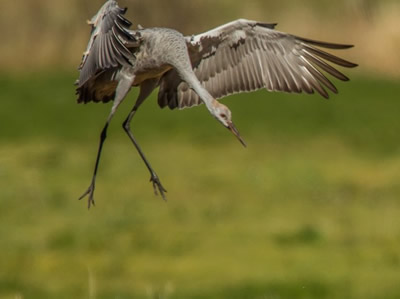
158 51
161 50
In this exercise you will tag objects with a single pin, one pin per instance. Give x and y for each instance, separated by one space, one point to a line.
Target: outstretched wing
244 55
107 51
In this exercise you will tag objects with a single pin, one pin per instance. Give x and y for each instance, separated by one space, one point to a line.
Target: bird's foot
90 192
158 188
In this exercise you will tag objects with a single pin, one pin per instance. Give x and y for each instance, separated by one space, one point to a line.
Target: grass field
309 210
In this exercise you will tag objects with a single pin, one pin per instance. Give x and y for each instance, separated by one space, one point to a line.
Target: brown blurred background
43 34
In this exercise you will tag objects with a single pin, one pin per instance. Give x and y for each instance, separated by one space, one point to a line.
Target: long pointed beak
235 132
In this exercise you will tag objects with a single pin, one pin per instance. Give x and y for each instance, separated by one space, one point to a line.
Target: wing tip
352 65
267 25
323 44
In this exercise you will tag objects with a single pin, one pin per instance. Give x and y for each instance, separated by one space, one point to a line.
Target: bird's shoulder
232 31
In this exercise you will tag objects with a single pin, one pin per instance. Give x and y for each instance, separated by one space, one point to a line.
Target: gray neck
195 84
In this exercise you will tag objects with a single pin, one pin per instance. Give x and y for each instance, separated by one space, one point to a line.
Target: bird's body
151 61
240 56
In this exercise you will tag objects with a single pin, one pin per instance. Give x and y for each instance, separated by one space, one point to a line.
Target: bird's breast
150 72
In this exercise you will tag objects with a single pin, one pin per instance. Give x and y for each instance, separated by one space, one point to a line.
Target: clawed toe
158 188
90 192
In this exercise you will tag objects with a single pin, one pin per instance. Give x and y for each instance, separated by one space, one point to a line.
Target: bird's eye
223 115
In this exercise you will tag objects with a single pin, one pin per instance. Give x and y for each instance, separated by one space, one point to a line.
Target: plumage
240 56
106 50
250 55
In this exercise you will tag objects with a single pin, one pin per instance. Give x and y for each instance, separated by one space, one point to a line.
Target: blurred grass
308 210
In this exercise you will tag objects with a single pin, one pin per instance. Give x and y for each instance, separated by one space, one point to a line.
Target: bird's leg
158 188
122 89
145 89
90 190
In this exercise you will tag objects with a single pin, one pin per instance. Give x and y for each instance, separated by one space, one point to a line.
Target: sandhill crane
240 56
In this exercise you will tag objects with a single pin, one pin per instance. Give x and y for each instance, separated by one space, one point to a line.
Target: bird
239 56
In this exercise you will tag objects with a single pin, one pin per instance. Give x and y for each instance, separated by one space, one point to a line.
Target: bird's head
224 116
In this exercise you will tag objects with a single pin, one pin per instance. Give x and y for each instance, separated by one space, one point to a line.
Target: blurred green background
309 210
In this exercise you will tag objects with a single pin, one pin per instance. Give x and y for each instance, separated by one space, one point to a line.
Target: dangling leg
122 89
145 90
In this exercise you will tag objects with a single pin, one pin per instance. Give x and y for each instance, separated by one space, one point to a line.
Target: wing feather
244 55
107 51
